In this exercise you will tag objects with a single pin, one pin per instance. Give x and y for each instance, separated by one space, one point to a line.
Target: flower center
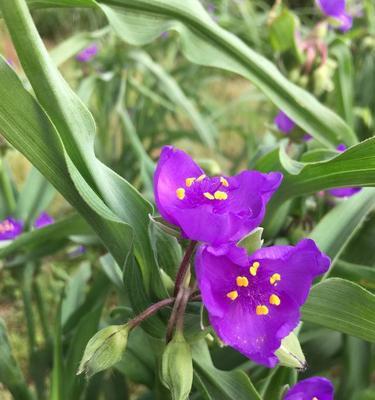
256 290
6 226
204 190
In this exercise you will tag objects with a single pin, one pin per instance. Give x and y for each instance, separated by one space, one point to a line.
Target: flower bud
177 368
104 349
290 353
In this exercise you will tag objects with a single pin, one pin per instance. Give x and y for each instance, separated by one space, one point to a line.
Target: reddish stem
184 266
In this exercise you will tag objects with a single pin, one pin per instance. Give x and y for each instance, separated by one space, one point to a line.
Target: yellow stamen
200 178
274 278
219 195
208 196
275 300
254 268
223 181
242 281
180 193
233 295
189 181
262 310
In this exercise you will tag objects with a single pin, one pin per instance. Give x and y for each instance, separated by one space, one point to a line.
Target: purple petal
283 275
344 192
341 147
173 168
88 53
284 123
43 220
238 208
336 9
311 388
306 137
10 228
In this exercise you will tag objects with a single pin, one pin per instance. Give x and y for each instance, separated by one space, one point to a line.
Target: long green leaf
342 306
339 225
101 188
354 167
204 42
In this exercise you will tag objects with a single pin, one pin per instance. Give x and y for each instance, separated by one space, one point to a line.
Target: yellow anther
223 181
189 181
200 178
208 196
219 195
180 193
274 278
254 268
262 310
275 300
233 295
242 281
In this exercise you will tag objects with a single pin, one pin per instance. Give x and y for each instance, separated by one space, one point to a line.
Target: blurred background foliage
142 99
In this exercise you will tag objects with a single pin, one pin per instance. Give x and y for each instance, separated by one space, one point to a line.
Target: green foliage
169 72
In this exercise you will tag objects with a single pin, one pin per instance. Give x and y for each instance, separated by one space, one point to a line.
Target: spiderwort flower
284 123
43 219
343 192
253 301
287 125
336 10
10 228
216 209
88 53
316 388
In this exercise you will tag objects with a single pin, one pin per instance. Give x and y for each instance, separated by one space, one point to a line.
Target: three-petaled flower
253 301
216 209
316 388
10 228
336 9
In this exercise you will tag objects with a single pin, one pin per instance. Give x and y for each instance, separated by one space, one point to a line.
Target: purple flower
210 209
43 220
336 9
10 228
284 123
343 192
88 53
315 388
253 301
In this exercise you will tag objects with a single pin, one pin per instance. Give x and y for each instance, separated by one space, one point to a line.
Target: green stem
26 285
6 187
40 304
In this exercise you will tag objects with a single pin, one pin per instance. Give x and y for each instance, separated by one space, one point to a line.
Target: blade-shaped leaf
343 306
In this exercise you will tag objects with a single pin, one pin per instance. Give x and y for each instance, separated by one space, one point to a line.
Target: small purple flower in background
216 209
43 219
78 251
343 192
284 123
253 301
10 228
315 388
336 9
88 53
